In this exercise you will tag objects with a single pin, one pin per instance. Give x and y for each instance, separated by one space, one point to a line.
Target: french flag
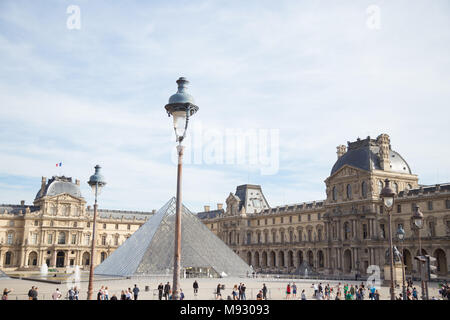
59 164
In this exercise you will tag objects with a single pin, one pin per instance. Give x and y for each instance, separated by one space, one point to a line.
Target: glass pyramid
150 250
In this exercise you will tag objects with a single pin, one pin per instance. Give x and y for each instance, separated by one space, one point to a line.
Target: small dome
182 96
363 154
60 185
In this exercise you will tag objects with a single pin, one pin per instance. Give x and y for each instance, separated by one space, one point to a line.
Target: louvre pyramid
150 250
3 275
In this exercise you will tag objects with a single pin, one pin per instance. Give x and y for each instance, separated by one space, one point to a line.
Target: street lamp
388 195
417 224
401 237
97 182
181 106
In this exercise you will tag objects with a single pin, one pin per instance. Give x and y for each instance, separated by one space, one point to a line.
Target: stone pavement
276 287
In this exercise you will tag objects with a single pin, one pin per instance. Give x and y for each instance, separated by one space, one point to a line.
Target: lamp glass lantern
97 181
388 195
417 218
181 107
400 233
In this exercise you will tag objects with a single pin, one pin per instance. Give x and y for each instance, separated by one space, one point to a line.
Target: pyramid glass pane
150 250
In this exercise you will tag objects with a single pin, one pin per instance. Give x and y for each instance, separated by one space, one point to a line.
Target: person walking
56 295
30 293
181 294
128 294
218 294
235 292
288 291
195 286
243 292
35 293
294 291
71 294
76 293
135 292
105 294
264 291
303 295
123 295
100 295
114 297
166 291
5 293
160 291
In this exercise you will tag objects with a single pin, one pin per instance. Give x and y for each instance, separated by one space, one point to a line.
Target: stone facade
57 229
348 231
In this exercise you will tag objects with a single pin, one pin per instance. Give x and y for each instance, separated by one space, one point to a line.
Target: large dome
363 154
60 185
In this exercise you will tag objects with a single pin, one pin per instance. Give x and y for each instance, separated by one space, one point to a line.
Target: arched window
103 256
334 193
346 231
364 189
349 191
380 186
396 187
8 256
61 238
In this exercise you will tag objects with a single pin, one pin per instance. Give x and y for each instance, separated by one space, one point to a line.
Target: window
259 237
51 223
299 218
61 238
75 224
291 236
430 205
309 217
396 187
447 204
128 227
249 238
346 231
290 219
249 223
399 208
380 186
364 189
36 223
34 238
309 235
104 226
349 191
274 237
431 228
87 239
266 237
50 238
116 240
11 223
364 231
258 222
74 239
319 234
300 235
318 216
334 193
103 256
273 220
265 221
8 258
103 240
381 209
117 226
413 205
382 232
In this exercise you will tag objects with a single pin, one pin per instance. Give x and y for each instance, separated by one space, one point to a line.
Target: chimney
219 206
341 150
77 182
43 183
206 208
22 202
153 211
384 144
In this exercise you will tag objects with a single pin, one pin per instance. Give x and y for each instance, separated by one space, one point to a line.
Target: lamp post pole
91 265
181 106
177 258
388 195
401 237
417 223
96 181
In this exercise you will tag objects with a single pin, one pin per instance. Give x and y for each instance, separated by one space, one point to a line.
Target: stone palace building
347 231
57 229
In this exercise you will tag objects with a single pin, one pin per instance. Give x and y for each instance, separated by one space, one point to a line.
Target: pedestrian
195 286
288 291
30 293
259 296
128 294
160 291
100 295
5 293
71 294
76 293
166 290
377 295
243 292
105 294
414 293
181 294
135 292
123 295
303 295
264 291
235 292
35 293
218 294
114 297
294 291
56 295
240 291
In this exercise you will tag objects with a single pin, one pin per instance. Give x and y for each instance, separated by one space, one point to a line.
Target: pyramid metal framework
3 275
150 250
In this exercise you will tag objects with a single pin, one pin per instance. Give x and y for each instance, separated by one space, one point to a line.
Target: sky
89 87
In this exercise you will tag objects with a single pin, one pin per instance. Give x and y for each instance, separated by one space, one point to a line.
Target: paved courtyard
276 287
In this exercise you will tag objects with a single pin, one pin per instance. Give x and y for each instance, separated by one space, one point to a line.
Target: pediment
346 171
65 197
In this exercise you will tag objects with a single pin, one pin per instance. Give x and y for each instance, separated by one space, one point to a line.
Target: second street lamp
388 195
401 237
417 224
181 106
97 182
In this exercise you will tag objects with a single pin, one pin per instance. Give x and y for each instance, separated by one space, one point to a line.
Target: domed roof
182 96
60 185
363 154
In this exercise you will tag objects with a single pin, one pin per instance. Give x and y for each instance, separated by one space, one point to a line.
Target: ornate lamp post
97 182
388 195
401 237
417 224
181 106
